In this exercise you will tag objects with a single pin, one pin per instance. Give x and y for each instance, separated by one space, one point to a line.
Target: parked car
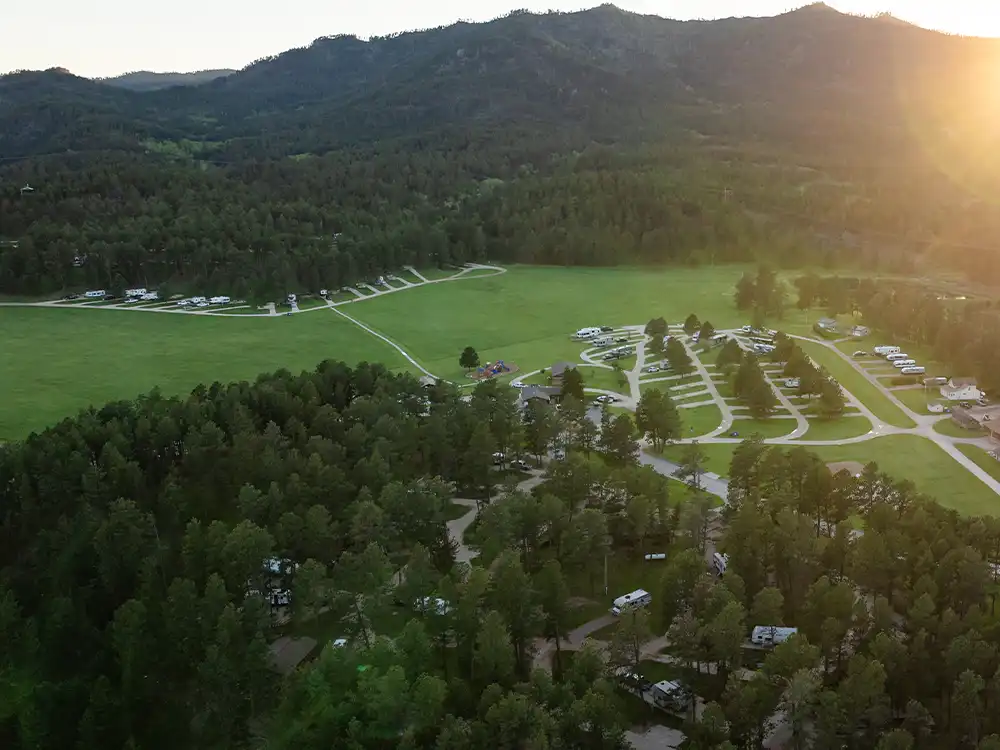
604 399
520 465
605 329
860 353
734 434
653 368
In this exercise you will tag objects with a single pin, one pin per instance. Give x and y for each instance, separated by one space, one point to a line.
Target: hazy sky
107 37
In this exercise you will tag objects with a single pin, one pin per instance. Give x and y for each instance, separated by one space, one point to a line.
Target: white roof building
961 389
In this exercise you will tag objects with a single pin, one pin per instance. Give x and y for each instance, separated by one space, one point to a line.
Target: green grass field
837 429
58 361
700 420
717 456
766 428
922 462
911 457
983 460
951 428
528 314
856 383
604 379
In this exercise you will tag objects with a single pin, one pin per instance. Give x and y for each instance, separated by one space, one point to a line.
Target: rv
720 338
197 300
135 292
656 556
720 562
149 297
913 370
900 363
671 695
638 598
586 333
770 635
430 604
95 294
883 350
219 301
602 342
763 348
896 355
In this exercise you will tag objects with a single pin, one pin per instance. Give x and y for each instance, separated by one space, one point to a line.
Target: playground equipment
492 369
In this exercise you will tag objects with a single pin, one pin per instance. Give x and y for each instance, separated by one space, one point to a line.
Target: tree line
961 330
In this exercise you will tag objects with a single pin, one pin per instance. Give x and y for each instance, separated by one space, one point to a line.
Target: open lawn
837 429
911 457
604 379
700 420
983 460
90 357
856 383
918 398
528 314
717 456
767 428
922 462
432 273
951 428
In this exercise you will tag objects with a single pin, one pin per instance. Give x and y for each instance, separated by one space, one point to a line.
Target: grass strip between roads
852 380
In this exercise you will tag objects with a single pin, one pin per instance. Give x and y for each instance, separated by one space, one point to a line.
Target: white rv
196 300
901 363
771 635
638 598
884 350
95 294
219 301
135 292
913 370
720 562
586 333
896 355
671 695
149 297
602 342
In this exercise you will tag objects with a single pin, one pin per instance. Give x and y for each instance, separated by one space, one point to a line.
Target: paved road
711 483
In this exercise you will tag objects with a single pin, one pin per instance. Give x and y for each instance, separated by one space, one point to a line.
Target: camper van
150 297
197 300
638 598
95 294
587 333
602 342
671 695
913 370
763 348
135 292
770 635
720 562
219 301
897 355
884 350
901 363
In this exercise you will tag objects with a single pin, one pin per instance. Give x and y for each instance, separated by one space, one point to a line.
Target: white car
339 643
604 399
653 368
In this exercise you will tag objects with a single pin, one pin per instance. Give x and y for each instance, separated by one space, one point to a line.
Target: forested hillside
144 80
593 137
